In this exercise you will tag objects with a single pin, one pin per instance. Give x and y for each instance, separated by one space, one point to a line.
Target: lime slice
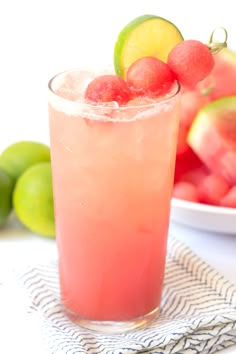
147 35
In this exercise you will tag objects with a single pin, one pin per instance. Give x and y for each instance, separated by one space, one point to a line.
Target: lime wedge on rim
146 35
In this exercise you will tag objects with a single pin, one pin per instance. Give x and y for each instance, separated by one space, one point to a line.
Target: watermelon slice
212 137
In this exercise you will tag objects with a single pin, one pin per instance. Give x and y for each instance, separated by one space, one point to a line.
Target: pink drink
112 178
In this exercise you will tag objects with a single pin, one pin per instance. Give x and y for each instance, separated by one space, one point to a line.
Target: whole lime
17 157
33 199
6 189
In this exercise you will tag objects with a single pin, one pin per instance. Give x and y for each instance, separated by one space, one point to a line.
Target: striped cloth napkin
198 312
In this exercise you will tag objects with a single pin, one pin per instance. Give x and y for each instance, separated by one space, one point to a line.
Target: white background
39 39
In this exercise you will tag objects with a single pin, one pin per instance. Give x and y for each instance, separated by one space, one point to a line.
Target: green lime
6 189
146 35
33 199
17 157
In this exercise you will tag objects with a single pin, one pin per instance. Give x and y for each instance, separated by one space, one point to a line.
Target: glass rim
175 89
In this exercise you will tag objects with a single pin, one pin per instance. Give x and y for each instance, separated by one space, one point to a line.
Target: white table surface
19 247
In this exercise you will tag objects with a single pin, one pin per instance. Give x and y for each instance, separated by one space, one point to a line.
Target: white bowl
204 217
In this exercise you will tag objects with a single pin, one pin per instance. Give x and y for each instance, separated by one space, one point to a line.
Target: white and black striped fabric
198 312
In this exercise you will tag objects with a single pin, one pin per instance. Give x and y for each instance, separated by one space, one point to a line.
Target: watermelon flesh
191 101
223 76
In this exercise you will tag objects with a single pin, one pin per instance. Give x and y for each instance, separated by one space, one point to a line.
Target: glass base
114 326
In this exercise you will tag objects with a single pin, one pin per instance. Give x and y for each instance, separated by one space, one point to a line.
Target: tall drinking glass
112 180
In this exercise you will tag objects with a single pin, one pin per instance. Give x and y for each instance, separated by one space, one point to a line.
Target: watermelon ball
229 200
191 61
212 189
108 88
149 76
186 191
